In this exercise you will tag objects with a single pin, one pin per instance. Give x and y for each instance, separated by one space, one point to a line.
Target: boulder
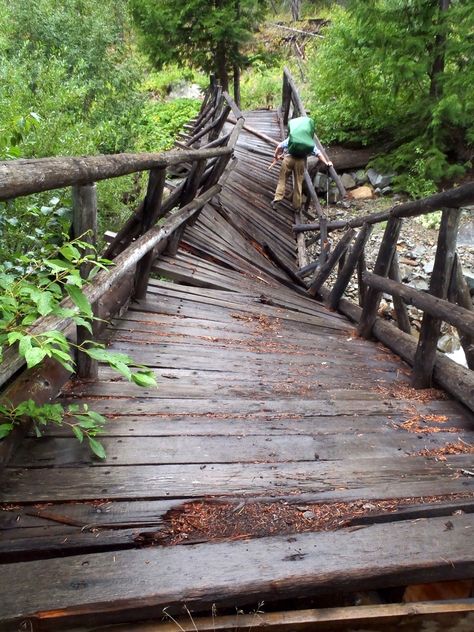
360 177
320 182
378 179
361 193
348 181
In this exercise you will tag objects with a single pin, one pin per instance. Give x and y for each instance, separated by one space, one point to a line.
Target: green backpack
301 132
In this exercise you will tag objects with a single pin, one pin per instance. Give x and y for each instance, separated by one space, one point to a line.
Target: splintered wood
205 521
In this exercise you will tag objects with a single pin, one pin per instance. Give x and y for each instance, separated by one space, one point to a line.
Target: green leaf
34 355
97 448
70 252
78 433
80 300
44 303
144 378
25 345
5 430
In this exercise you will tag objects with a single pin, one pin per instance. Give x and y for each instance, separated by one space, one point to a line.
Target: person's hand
329 163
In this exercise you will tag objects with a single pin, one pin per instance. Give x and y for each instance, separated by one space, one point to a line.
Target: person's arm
321 157
280 148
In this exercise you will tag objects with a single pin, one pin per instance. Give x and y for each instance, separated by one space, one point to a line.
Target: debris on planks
459 447
206 520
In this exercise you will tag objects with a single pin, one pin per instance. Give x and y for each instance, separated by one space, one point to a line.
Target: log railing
140 240
447 300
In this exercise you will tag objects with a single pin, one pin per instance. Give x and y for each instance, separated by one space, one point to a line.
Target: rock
309 515
466 234
428 267
333 194
417 252
378 179
360 177
469 280
320 182
405 272
361 193
348 181
386 190
448 343
419 284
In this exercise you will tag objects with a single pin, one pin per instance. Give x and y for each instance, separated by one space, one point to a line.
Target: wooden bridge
285 457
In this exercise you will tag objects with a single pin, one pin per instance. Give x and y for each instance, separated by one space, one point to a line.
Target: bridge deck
268 408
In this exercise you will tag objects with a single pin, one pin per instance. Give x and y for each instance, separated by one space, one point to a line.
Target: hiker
296 148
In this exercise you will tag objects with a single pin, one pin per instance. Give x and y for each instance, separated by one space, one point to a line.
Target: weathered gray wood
459 292
349 266
381 268
22 177
441 309
326 268
439 282
260 570
151 212
108 278
84 227
401 312
454 198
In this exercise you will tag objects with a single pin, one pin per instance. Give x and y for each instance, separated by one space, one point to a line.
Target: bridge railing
155 226
448 298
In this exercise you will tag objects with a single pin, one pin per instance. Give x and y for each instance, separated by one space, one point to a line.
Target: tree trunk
437 68
221 67
295 9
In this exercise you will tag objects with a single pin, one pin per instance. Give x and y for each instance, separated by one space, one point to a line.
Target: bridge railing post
84 227
440 277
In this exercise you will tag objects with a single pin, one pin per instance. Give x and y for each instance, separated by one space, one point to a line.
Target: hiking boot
274 204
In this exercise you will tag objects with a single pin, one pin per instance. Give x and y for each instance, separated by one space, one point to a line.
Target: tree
401 72
206 35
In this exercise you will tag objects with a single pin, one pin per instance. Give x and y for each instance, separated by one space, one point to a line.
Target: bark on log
401 312
436 307
22 177
454 198
327 267
454 378
381 268
459 293
349 266
440 277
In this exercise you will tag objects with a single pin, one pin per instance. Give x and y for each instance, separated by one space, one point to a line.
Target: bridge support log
326 269
458 292
401 312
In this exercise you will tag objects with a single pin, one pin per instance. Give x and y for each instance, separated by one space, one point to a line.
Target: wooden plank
260 570
162 481
428 616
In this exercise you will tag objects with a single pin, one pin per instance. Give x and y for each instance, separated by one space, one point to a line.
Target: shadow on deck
271 420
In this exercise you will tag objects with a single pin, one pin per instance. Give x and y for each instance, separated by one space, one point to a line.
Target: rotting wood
22 177
401 312
459 292
439 282
454 198
326 268
381 268
260 569
350 265
84 227
440 309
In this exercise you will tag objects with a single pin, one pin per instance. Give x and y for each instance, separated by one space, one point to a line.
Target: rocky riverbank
416 251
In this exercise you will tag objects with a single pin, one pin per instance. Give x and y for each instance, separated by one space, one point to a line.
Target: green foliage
202 34
84 423
161 122
261 87
369 84
430 220
159 84
33 288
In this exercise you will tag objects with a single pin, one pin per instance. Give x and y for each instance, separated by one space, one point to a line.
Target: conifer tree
208 35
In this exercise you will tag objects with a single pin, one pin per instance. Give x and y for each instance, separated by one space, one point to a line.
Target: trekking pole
327 186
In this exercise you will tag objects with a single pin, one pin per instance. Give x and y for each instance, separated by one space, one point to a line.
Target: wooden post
382 267
151 213
325 270
84 226
361 286
458 292
430 326
401 311
349 266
